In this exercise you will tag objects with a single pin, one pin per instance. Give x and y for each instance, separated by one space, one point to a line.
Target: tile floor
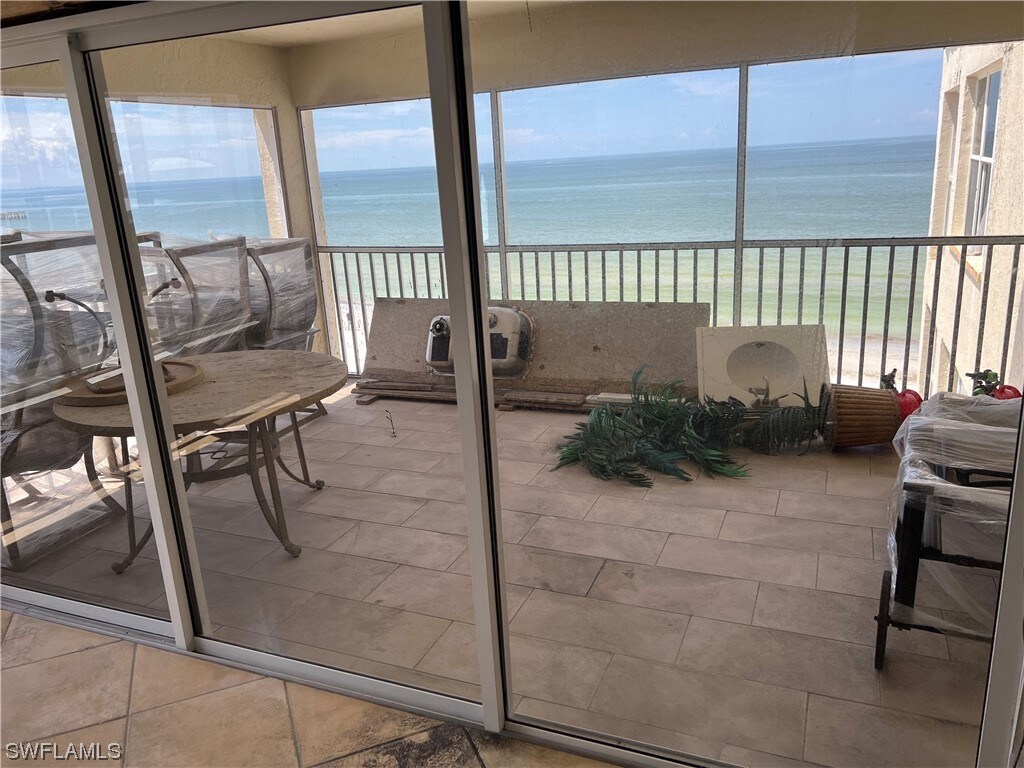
67 688
728 618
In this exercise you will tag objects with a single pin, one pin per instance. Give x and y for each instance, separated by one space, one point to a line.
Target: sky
863 97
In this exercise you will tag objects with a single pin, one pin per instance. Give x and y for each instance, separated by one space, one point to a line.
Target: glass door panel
703 507
73 509
328 514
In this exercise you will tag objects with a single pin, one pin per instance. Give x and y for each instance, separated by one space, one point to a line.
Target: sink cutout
750 364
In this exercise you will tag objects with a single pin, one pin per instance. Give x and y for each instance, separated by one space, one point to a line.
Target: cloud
380 137
706 85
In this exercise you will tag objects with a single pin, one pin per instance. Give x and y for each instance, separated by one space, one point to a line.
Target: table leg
135 544
316 485
260 442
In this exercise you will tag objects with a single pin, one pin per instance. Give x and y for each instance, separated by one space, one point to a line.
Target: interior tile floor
143 706
728 618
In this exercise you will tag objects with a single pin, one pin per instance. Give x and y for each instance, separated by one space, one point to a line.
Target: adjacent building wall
962 66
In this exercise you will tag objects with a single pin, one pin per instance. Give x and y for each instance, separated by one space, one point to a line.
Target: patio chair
949 507
52 327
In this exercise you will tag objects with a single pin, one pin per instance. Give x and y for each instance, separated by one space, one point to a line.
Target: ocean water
842 189
876 188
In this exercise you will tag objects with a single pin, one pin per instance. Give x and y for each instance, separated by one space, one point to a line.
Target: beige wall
961 68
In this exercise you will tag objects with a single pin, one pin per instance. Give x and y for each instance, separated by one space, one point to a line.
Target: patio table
241 395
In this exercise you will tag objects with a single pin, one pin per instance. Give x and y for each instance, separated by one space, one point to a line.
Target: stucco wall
961 68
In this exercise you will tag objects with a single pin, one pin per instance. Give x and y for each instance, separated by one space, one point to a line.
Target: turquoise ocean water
877 188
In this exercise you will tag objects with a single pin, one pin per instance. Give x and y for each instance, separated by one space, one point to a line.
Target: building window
983 144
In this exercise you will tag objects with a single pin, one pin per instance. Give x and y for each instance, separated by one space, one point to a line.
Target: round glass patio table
242 393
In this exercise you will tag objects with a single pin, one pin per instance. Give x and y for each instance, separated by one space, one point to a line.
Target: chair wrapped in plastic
53 324
948 516
199 295
282 283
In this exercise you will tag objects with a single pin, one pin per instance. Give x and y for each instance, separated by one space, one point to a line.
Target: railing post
741 191
498 143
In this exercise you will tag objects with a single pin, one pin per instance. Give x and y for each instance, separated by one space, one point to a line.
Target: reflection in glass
69 506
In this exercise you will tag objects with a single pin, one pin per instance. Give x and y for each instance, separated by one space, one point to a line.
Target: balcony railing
933 308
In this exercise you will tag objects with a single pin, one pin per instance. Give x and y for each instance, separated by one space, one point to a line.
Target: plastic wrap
282 286
949 442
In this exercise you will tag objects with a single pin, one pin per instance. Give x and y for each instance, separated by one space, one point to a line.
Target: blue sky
864 97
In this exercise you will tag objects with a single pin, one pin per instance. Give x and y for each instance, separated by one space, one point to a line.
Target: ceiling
360 25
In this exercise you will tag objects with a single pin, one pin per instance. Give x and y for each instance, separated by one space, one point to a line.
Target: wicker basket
858 416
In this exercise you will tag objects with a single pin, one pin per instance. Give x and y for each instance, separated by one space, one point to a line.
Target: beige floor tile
563 674
421 486
833 509
509 470
332 573
225 553
845 733
802 662
430 441
468 691
545 501
524 450
162 677
240 490
28 639
338 474
521 431
113 537
140 584
361 629
599 624
751 758
596 539
448 517
871 487
857 576
328 725
792 533
438 409
66 693
418 422
544 569
943 689
395 544
713 707
501 752
677 591
672 518
443 745
885 464
549 419
245 603
445 595
556 672
818 458
575 478
304 528
556 436
785 478
5 620
719 493
281 647
739 560
616 727
108 736
393 458
363 505
351 416
317 450
214 513
835 616
207 731
352 433
454 655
